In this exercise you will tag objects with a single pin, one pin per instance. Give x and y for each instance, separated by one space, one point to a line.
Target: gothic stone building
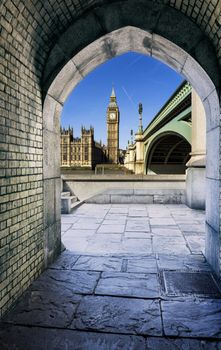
81 152
85 151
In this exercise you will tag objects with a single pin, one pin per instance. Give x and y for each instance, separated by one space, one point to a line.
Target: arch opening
168 155
113 44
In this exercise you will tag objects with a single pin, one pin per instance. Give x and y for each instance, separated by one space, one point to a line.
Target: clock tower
113 119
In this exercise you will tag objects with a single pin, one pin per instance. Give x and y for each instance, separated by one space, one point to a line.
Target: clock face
112 116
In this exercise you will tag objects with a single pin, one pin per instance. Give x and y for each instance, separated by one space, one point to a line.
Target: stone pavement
133 277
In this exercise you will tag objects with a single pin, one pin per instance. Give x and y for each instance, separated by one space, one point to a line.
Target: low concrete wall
139 196
127 189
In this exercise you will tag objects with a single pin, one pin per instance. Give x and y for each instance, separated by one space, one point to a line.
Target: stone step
65 194
68 203
73 199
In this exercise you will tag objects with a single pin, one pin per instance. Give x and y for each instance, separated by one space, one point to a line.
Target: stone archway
38 39
113 44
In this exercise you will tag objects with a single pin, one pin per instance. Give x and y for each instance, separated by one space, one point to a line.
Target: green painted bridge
167 139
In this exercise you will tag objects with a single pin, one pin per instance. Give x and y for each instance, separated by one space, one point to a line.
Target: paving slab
162 222
183 262
159 214
104 247
137 213
128 284
120 315
82 282
85 225
192 318
69 219
90 220
186 220
137 246
45 308
111 229
118 210
122 217
137 226
65 227
65 261
106 238
35 338
168 232
75 244
137 235
79 233
91 214
167 245
181 344
137 218
192 228
196 243
118 221
98 263
142 265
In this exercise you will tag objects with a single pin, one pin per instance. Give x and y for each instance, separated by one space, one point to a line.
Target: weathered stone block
51 160
196 188
212 110
213 150
128 284
122 198
198 78
121 315
213 248
100 199
39 338
52 112
49 202
177 322
68 77
168 53
212 203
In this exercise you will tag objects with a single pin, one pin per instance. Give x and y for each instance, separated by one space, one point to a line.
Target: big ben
113 119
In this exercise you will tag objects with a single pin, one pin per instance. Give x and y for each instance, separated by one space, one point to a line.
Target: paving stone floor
133 277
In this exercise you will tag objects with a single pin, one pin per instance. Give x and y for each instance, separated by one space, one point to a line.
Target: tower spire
113 99
113 92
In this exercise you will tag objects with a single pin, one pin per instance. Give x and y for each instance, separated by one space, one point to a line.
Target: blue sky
136 78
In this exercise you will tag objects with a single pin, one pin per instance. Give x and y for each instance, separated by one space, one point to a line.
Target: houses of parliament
84 151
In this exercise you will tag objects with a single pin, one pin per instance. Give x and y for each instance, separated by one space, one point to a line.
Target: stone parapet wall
139 196
140 188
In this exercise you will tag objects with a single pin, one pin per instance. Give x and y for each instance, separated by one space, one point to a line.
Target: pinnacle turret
113 99
113 93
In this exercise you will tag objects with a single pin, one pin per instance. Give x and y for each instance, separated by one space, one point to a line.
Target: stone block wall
29 30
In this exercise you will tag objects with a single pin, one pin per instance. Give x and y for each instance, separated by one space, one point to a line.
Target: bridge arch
167 153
